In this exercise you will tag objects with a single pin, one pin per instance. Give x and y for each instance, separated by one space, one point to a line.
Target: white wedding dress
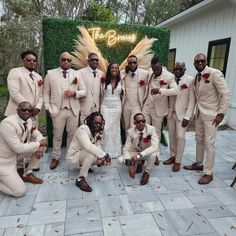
111 111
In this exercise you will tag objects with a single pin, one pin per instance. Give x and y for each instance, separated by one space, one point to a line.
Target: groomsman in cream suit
91 76
62 91
212 101
141 144
24 84
17 152
160 85
180 111
134 85
85 148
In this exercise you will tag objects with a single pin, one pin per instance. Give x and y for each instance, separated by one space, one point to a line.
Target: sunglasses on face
98 123
26 110
132 62
94 59
140 121
30 60
200 61
65 59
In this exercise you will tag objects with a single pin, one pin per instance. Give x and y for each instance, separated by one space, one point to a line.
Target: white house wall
192 36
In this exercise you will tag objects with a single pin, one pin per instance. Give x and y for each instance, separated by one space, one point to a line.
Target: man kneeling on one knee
141 144
85 148
22 145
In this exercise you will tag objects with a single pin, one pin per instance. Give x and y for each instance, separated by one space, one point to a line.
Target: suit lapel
58 78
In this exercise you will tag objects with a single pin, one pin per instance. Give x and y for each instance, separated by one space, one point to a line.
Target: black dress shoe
90 170
83 185
36 170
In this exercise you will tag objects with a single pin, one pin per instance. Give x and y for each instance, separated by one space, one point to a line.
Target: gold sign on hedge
111 36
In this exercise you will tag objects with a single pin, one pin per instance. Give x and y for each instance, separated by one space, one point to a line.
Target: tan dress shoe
205 179
169 161
83 185
32 179
54 164
194 166
176 167
145 178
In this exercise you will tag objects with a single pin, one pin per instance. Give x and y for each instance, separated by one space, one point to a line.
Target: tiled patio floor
171 204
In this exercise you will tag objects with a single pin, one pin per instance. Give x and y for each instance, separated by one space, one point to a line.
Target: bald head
65 60
200 62
24 110
179 69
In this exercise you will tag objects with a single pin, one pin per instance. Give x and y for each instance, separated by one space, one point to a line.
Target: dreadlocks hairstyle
89 122
108 76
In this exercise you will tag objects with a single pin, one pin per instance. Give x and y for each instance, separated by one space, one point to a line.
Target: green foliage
59 36
4 92
97 12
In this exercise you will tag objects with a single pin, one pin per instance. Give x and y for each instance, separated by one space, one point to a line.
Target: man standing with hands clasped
62 91
180 111
212 101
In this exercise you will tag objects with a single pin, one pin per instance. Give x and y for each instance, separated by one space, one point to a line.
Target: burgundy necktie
132 74
64 73
31 76
25 125
199 76
140 138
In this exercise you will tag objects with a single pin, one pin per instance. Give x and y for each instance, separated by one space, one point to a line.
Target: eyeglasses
26 110
132 62
200 61
30 60
94 59
65 59
140 121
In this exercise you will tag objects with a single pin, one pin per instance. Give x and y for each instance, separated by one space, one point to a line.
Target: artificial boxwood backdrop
59 36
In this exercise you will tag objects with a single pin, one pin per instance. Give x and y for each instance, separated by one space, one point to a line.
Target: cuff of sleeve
143 153
101 155
186 118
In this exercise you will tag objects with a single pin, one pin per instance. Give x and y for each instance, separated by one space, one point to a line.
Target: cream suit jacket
161 99
22 88
212 94
142 76
12 143
93 89
83 141
184 102
132 141
53 91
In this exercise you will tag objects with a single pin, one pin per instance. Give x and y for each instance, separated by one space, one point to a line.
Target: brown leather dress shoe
131 171
157 162
176 167
32 179
54 164
83 185
145 178
169 161
194 166
205 179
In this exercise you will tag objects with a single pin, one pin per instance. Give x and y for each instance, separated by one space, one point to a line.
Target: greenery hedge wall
59 36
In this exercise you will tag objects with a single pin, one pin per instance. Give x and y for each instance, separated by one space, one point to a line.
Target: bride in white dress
111 111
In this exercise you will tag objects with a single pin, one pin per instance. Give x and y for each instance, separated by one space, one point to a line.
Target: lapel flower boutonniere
75 81
33 129
103 79
206 75
162 82
40 82
184 86
147 139
142 82
98 137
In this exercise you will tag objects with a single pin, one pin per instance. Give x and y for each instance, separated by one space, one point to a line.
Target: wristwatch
74 93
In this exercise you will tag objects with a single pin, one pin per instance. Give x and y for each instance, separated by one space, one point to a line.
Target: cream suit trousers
64 118
12 184
87 160
128 115
205 141
176 137
150 160
28 162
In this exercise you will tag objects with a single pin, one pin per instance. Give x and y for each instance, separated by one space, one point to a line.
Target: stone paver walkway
170 204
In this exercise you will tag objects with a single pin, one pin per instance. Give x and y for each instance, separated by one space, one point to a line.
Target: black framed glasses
26 110
203 61
140 121
132 62
94 59
66 59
